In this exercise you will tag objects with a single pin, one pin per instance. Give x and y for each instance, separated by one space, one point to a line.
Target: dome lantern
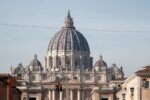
68 23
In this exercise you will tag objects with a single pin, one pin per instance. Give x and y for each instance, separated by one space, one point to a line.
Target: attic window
113 77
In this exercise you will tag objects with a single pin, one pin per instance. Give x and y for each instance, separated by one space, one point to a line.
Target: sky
119 30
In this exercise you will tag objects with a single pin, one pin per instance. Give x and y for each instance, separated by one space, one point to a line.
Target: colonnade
52 95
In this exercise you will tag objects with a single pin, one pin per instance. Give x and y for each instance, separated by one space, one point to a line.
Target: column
45 62
61 95
53 95
49 95
139 89
71 94
82 94
49 62
78 94
63 62
8 91
53 62
72 63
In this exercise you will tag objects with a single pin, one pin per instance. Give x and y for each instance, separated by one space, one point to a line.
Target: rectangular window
113 77
75 78
99 78
145 83
88 77
104 99
32 98
57 78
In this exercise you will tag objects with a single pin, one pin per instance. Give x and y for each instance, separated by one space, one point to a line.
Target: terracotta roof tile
144 72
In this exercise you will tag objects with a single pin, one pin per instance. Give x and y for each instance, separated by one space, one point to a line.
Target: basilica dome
100 62
68 49
35 64
68 38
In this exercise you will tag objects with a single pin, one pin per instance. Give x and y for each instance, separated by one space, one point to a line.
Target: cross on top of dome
100 57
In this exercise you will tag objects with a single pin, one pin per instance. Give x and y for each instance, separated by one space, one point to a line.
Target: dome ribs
69 39
78 40
59 45
50 46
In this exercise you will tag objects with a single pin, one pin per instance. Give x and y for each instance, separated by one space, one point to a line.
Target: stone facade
103 93
69 66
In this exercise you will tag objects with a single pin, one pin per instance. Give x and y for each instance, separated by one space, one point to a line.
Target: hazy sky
117 29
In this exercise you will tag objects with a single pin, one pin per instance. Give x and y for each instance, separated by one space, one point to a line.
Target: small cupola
35 64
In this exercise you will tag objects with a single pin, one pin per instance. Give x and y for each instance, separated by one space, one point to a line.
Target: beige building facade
103 93
137 86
